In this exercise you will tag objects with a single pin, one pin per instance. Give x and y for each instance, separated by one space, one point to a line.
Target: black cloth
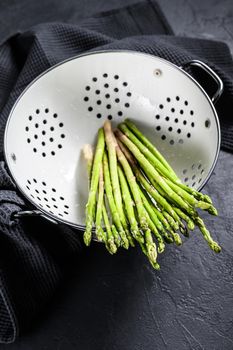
34 254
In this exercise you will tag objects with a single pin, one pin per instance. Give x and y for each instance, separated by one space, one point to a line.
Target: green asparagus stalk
206 234
153 228
199 196
186 218
129 206
113 168
151 248
155 221
155 178
111 243
93 187
147 153
99 208
190 198
111 144
134 188
150 146
116 236
112 206
147 186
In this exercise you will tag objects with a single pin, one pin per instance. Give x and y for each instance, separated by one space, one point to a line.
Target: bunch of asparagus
136 197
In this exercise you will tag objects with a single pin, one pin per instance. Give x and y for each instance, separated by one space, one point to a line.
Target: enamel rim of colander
82 227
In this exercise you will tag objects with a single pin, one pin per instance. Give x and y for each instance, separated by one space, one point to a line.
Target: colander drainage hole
185 122
171 142
157 116
30 117
109 117
177 98
186 103
188 135
44 121
207 123
199 166
46 110
191 112
163 137
161 106
200 180
193 177
186 179
120 113
37 111
181 141
168 99
192 124
185 171
194 183
158 127
167 118
98 115
55 115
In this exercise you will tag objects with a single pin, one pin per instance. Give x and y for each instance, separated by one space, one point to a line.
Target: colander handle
213 75
29 213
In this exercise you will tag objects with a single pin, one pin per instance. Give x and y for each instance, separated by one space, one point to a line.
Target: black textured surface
189 303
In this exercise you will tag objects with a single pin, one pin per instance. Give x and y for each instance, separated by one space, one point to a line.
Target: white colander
63 108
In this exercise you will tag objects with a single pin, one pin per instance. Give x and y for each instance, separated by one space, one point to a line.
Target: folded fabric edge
10 333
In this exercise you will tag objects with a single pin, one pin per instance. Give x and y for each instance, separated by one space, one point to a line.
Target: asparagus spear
153 175
147 153
206 234
150 146
113 169
129 206
153 150
99 208
111 144
93 187
155 222
190 198
111 243
186 218
142 180
134 188
112 206
116 236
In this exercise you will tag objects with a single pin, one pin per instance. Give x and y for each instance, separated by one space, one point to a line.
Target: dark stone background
120 302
